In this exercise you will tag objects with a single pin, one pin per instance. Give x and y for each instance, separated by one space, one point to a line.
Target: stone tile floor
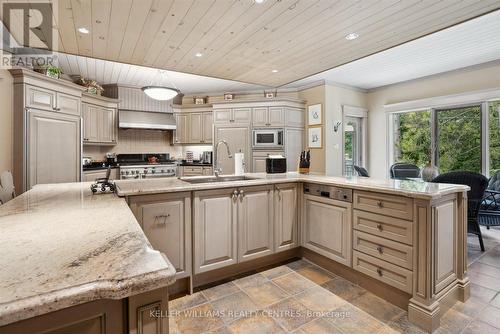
300 297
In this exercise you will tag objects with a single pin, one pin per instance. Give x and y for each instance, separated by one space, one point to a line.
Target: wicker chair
477 183
403 170
361 171
489 212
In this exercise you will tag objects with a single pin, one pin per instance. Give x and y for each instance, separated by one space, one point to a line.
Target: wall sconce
336 126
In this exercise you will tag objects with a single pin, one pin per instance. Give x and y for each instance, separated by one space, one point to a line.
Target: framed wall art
314 114
315 137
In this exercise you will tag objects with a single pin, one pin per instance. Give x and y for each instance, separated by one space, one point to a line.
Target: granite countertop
405 188
62 246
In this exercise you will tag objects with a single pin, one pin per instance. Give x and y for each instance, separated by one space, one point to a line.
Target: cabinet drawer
390 251
383 226
388 273
390 205
40 98
192 171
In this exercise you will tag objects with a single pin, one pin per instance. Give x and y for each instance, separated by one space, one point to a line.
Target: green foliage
413 141
494 114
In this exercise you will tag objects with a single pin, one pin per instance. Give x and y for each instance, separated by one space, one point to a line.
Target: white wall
6 120
336 97
474 78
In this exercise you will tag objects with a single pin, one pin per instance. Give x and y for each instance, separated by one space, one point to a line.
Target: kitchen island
82 255
65 250
401 239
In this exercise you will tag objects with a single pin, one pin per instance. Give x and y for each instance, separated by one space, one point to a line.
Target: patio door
458 138
353 150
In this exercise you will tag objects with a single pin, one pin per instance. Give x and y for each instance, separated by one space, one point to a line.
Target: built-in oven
268 138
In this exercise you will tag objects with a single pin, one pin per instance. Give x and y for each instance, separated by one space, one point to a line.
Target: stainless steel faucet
217 169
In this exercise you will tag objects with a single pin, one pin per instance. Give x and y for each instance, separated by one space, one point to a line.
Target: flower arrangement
92 86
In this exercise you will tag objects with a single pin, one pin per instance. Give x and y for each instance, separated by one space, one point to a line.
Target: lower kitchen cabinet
285 217
255 222
166 221
215 220
326 227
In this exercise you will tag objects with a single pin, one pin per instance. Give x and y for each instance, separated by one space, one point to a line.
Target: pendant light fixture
158 91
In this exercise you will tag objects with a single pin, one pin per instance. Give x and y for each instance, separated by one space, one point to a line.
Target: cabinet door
208 171
222 116
294 144
165 225
285 217
106 125
40 98
207 127
258 164
327 228
91 120
92 176
181 132
241 115
260 116
68 104
192 171
276 116
255 222
50 159
238 138
195 128
214 224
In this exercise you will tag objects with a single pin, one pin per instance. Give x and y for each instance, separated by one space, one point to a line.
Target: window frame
357 112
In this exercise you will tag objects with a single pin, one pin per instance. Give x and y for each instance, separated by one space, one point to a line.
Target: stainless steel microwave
268 138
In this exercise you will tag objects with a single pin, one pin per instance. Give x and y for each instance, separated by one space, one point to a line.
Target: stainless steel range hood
134 119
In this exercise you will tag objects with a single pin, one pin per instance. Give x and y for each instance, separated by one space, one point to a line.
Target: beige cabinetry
232 115
194 125
195 170
327 228
255 222
92 175
166 221
215 217
259 160
294 144
383 238
47 130
238 139
286 213
100 126
268 117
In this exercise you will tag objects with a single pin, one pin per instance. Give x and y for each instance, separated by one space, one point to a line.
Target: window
455 138
494 136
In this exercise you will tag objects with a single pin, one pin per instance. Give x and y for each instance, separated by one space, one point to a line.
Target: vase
429 172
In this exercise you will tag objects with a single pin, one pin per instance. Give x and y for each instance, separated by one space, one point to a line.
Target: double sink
210 179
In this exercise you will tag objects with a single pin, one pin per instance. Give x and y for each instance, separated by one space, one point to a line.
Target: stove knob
145 171
127 172
153 171
163 171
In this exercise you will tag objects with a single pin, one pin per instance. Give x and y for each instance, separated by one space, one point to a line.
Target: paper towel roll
239 163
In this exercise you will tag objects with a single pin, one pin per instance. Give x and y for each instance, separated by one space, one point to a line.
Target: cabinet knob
235 194
380 204
379 227
242 194
379 271
380 249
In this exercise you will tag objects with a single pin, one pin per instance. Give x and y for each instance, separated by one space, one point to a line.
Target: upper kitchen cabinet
47 130
194 124
233 115
99 120
268 117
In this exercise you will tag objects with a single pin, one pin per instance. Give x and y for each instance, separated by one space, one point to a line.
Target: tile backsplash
143 141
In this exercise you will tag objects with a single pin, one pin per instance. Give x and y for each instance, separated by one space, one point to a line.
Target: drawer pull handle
380 249
242 194
234 195
379 227
162 219
379 271
380 204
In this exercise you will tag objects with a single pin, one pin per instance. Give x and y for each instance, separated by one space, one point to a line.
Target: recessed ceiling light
351 36
274 71
83 30
198 54
259 1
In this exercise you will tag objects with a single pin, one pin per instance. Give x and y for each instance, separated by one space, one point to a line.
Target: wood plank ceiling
244 40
